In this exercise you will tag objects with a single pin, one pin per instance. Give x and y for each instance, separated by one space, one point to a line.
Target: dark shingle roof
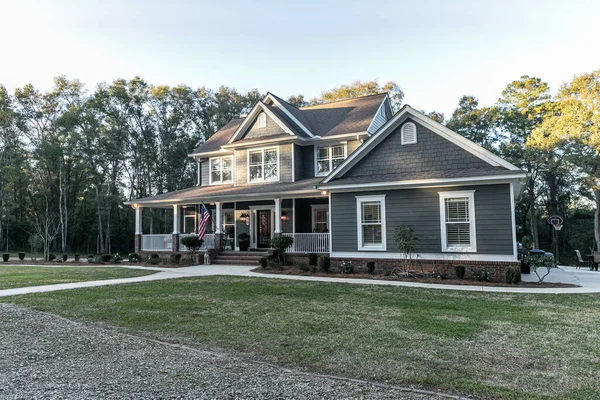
337 118
232 193
410 176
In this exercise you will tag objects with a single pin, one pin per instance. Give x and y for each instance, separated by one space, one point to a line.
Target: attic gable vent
409 133
262 120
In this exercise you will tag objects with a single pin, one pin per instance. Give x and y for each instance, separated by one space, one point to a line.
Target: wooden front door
263 228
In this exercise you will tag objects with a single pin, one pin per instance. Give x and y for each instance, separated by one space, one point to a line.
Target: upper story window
457 214
262 120
370 211
329 157
221 170
263 165
408 133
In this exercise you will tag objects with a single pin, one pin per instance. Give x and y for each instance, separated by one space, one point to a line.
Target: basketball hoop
556 221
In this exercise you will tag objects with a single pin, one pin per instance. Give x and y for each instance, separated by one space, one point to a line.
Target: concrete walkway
589 281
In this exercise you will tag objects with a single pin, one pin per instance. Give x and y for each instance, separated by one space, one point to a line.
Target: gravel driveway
47 357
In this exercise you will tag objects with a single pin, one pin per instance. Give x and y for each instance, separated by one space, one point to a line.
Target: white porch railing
309 242
157 242
209 241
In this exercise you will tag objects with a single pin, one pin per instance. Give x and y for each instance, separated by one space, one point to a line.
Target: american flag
204 217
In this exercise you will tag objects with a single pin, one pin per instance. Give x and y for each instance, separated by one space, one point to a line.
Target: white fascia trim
210 153
469 194
355 135
263 142
377 112
436 127
478 180
289 114
359 201
425 256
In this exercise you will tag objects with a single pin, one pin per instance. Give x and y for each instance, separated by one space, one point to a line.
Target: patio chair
582 262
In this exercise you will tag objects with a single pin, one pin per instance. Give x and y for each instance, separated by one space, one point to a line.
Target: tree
297 100
436 116
358 89
574 130
474 123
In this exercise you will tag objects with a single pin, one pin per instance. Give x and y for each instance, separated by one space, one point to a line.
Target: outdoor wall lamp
324 192
244 218
135 206
284 216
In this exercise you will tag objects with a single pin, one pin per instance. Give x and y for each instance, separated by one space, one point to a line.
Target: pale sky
435 50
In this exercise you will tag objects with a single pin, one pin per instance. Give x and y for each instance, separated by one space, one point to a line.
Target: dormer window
262 120
409 133
221 170
329 157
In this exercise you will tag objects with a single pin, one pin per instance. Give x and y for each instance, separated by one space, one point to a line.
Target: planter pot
244 246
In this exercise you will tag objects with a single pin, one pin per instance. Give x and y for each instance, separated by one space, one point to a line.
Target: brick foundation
443 266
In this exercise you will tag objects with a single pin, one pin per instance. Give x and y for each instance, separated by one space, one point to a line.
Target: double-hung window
370 212
320 218
263 165
457 211
221 170
329 157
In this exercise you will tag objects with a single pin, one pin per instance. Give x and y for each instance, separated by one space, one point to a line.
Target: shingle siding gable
431 152
272 129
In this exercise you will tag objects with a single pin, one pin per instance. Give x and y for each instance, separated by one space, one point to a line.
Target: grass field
481 344
22 276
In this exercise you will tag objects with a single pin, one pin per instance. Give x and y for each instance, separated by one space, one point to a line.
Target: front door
263 228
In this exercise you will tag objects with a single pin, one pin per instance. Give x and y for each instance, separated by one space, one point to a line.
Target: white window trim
320 207
210 180
261 120
263 149
328 146
470 195
359 201
402 141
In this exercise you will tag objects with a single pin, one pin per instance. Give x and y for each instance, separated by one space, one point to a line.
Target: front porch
305 219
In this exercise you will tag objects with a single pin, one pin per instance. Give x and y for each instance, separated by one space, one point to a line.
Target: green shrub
193 243
274 263
65 257
134 257
460 271
5 257
512 275
346 267
370 267
303 267
51 257
76 256
105 257
90 258
281 244
537 262
482 274
324 263
263 262
174 258
21 256
116 259
312 259
154 259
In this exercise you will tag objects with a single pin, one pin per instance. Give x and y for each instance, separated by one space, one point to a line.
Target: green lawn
493 345
22 276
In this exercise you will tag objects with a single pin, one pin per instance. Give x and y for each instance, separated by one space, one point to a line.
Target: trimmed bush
116 259
281 244
90 258
512 275
346 267
134 257
482 274
324 263
105 257
21 256
312 259
174 258
191 242
370 267
460 271
51 257
5 257
65 257
77 256
263 262
154 259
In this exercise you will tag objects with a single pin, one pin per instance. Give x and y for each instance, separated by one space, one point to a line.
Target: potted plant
244 241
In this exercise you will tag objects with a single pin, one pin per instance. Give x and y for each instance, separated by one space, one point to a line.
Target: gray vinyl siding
285 162
204 173
420 208
241 167
308 162
298 162
272 129
380 118
431 153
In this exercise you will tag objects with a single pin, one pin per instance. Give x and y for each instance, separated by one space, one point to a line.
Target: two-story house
339 178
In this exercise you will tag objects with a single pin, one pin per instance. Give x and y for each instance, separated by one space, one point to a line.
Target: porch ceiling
259 191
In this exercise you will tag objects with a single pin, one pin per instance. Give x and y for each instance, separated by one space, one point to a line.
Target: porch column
277 216
137 242
219 236
218 216
175 238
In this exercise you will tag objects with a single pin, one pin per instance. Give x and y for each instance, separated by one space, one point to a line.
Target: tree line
70 158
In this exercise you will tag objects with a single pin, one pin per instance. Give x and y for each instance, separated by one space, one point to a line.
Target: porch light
324 192
284 216
244 218
135 206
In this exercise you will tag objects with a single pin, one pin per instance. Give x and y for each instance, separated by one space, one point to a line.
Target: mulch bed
423 279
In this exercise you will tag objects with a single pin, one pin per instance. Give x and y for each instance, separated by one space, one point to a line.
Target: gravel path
43 356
